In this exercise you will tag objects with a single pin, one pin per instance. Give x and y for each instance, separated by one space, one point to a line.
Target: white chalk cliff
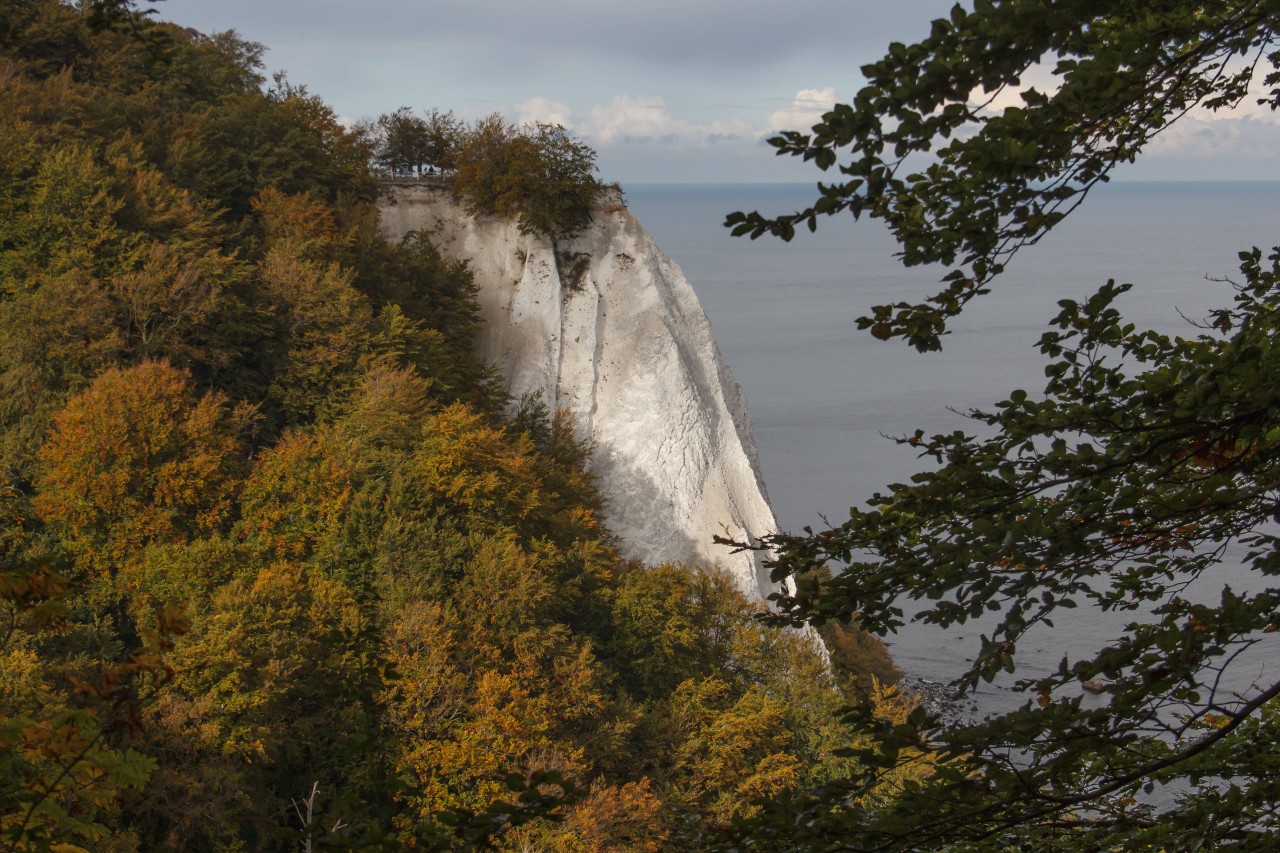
609 328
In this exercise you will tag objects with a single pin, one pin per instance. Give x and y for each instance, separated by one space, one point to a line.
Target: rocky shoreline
938 699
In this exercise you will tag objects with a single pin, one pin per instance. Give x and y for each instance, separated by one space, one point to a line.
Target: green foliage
859 660
385 615
402 142
61 777
271 687
957 182
1121 486
553 181
735 709
146 214
444 135
99 15
484 160
322 320
539 173
241 142
406 143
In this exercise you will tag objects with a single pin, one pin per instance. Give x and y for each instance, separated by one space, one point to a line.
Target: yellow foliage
478 468
611 819
893 705
138 458
295 497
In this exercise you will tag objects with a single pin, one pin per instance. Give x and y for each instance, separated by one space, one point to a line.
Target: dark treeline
276 568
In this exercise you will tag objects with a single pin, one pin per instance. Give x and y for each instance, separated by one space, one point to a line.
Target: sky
664 90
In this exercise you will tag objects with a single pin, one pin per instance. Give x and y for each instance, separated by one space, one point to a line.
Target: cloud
1244 131
544 110
628 119
646 118
804 111
1038 77
1217 138
706 35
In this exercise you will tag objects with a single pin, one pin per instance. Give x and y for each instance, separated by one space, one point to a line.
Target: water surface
823 395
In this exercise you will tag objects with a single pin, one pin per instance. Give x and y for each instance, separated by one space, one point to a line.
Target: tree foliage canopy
539 173
962 184
1146 467
267 538
401 142
405 143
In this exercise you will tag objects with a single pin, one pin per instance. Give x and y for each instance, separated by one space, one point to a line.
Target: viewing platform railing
438 177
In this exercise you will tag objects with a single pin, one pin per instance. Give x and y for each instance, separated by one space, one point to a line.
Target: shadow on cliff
649 526
644 519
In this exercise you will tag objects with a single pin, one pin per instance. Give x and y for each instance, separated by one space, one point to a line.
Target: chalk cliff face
608 327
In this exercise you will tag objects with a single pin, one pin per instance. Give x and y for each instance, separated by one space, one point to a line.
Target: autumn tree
240 141
63 768
1129 476
139 458
345 600
483 161
534 695
538 173
322 320
734 710
272 692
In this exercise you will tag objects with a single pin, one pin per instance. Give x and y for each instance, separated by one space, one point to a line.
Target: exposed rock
607 326
939 701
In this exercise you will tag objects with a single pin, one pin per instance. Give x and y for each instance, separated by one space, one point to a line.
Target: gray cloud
693 35
664 79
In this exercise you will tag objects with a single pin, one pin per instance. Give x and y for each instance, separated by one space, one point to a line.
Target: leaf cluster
1145 466
962 183
538 173
1145 460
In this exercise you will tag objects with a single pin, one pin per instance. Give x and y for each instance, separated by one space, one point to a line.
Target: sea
824 397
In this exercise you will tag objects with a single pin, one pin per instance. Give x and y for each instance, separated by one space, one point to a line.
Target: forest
281 566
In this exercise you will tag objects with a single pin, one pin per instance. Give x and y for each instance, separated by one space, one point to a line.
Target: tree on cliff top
402 142
445 133
539 173
1144 461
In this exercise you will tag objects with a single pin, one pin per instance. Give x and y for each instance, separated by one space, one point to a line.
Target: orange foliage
295 497
300 224
138 458
614 819
477 468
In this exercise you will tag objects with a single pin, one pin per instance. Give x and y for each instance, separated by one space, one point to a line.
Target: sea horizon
823 395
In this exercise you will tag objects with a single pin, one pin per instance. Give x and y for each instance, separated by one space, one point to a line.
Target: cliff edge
606 326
